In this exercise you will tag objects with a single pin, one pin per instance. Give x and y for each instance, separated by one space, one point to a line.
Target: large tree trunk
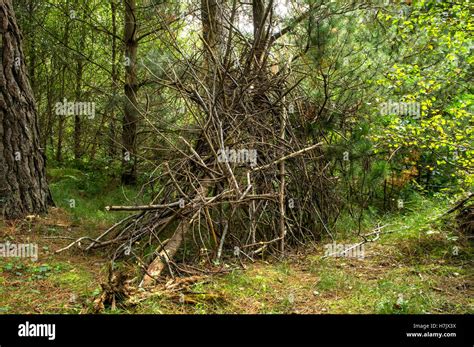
130 119
23 186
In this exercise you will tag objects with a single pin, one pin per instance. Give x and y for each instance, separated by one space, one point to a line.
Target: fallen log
460 204
142 207
157 266
169 250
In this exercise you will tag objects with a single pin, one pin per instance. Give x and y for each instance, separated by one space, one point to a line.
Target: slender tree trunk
59 147
260 13
32 50
211 24
282 181
23 186
212 31
77 116
48 132
62 118
130 119
113 125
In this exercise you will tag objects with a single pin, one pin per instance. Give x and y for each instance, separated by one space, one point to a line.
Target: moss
76 280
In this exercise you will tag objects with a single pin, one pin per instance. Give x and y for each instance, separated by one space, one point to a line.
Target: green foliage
86 193
442 134
349 62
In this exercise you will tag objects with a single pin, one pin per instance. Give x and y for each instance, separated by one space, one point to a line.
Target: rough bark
23 186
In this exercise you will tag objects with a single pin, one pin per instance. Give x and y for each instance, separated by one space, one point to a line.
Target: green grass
85 194
411 269
32 287
333 278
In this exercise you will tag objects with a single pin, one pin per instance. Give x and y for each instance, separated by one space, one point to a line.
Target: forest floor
421 266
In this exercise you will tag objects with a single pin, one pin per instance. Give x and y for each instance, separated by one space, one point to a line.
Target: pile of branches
247 180
465 215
